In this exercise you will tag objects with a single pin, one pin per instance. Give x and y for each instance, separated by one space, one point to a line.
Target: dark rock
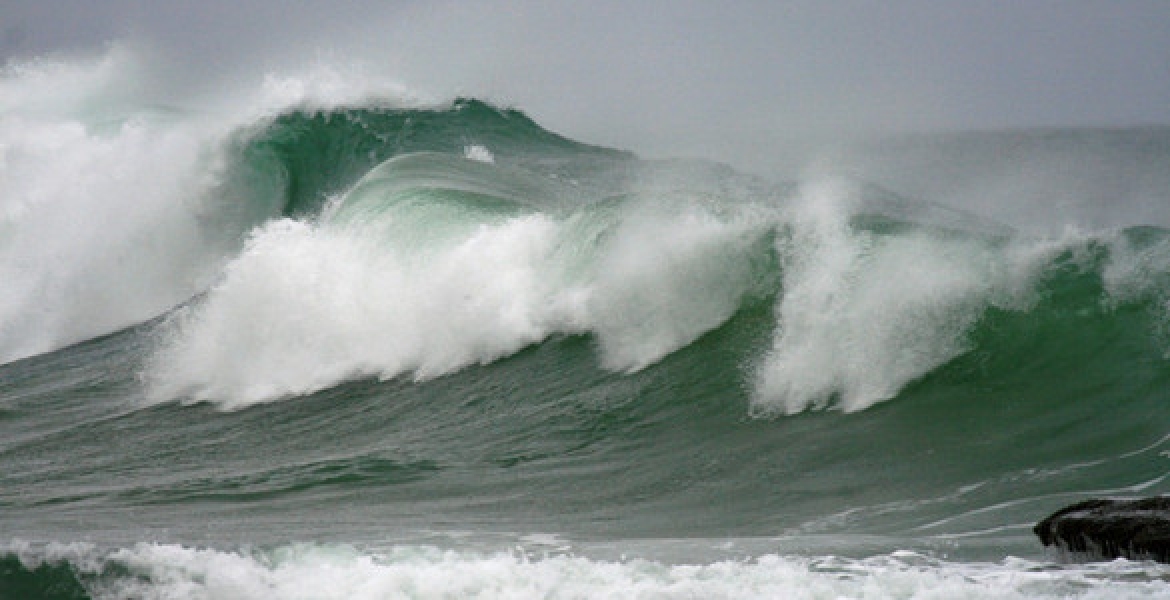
1107 529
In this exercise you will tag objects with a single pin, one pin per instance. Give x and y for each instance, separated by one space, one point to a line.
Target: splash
431 279
116 203
861 314
315 571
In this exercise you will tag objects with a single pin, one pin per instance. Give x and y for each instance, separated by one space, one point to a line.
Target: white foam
324 572
479 153
322 86
100 226
306 306
1134 274
57 86
112 211
862 314
667 275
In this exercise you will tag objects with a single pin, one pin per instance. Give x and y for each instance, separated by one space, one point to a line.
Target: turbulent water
350 346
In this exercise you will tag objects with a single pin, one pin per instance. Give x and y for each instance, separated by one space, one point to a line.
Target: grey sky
661 74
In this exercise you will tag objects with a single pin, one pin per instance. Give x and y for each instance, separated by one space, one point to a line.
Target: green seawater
943 415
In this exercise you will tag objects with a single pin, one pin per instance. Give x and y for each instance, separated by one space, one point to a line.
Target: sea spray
1138 271
121 197
670 273
102 225
433 263
425 279
303 308
575 342
862 313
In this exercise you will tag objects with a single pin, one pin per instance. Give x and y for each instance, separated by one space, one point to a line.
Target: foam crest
321 572
862 314
112 210
1138 270
323 86
666 276
99 228
307 305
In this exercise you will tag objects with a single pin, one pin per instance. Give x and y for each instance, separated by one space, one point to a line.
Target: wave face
357 347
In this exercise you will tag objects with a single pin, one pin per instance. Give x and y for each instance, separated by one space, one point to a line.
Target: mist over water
115 208
101 212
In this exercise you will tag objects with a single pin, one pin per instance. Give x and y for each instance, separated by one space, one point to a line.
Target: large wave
433 262
332 232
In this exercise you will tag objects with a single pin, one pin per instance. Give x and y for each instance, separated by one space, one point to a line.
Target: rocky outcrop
1107 529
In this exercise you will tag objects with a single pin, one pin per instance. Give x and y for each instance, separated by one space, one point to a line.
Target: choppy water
365 348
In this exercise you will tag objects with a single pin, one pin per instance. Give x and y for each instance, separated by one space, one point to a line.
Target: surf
311 241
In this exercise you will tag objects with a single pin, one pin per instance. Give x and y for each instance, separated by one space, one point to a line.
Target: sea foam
861 314
321 572
307 305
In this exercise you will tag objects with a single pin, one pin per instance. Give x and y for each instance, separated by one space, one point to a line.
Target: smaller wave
322 572
863 314
866 310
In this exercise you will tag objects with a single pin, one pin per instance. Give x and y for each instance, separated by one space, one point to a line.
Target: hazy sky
639 73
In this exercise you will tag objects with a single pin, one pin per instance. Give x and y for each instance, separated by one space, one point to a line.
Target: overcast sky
639 73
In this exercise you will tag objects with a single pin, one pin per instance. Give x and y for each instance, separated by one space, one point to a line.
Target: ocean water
332 341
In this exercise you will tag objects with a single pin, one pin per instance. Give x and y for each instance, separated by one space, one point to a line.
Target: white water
100 212
308 305
862 315
859 315
157 571
112 212
115 206
1135 274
